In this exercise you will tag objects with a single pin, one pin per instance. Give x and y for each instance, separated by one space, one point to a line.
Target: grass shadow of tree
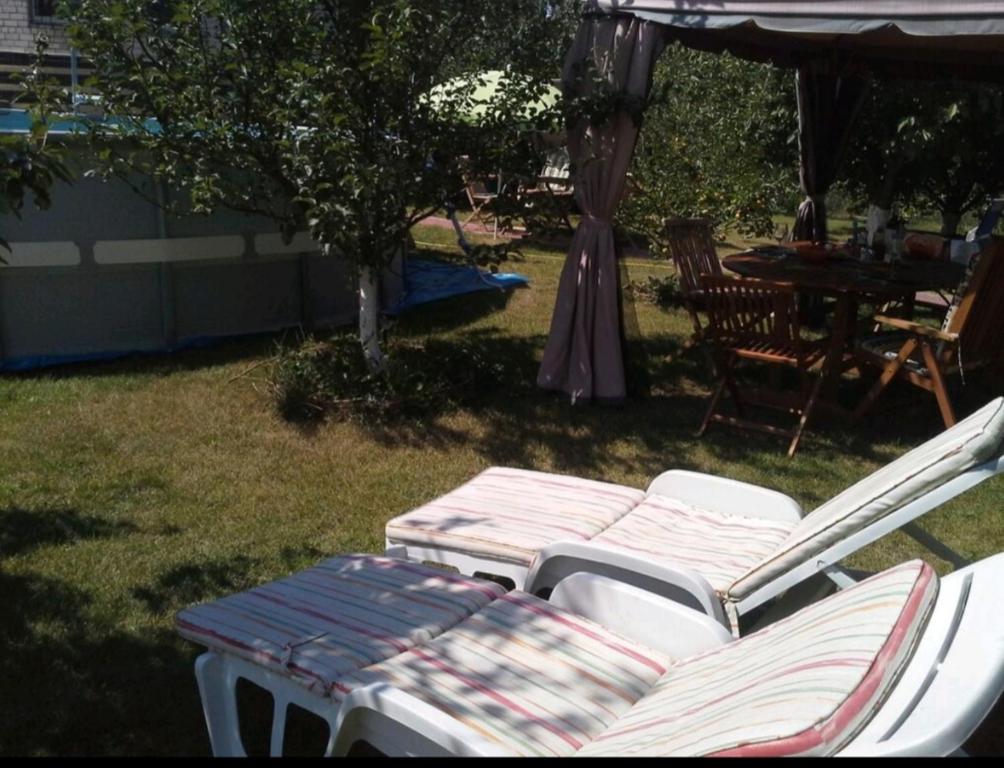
190 583
517 415
84 688
24 530
519 422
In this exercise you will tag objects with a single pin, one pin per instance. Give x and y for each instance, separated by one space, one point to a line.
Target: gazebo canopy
832 43
935 38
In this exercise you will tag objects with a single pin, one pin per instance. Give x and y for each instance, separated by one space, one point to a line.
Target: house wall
18 31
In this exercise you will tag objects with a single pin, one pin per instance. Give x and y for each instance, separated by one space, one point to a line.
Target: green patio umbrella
484 93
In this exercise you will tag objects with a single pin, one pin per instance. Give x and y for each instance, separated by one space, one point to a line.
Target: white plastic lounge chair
719 545
417 661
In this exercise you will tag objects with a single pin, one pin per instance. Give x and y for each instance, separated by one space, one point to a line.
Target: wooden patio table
848 280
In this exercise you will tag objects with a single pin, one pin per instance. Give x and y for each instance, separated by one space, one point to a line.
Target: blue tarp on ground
426 281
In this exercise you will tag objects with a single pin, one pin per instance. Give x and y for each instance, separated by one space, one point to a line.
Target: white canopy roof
906 37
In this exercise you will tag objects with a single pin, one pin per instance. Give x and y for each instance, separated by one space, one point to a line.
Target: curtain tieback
811 203
596 220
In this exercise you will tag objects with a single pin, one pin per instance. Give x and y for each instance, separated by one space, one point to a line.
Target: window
44 11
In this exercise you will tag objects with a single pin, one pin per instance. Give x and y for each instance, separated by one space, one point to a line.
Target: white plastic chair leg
218 689
279 710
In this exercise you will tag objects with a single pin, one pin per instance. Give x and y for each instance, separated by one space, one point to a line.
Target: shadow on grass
194 583
24 530
76 687
515 410
516 420
74 684
518 417
191 583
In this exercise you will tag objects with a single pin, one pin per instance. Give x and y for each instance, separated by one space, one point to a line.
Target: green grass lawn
131 489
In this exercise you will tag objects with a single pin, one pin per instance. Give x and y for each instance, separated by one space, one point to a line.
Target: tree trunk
880 200
883 195
950 222
369 319
878 217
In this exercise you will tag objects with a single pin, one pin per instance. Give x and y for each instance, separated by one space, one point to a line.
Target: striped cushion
343 614
972 441
509 514
525 674
804 685
721 547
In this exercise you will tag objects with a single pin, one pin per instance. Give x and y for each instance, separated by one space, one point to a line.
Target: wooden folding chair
969 338
693 252
481 201
757 320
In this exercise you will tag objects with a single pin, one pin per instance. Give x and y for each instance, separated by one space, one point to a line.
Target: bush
329 379
664 292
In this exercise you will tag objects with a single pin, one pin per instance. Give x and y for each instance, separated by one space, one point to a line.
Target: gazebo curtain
827 105
583 356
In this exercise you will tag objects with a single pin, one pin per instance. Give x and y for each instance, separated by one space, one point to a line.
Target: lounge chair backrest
693 251
973 441
801 686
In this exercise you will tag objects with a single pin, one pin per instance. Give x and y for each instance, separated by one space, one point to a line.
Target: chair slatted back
978 317
758 315
479 197
556 166
693 251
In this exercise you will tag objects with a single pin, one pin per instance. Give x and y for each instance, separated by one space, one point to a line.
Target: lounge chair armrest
956 673
683 585
721 494
637 614
917 328
397 723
